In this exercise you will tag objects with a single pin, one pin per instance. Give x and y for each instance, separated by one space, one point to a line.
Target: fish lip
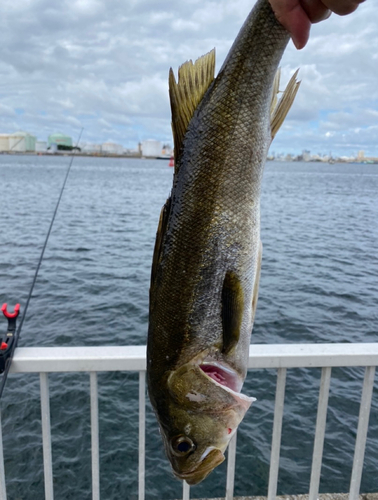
195 476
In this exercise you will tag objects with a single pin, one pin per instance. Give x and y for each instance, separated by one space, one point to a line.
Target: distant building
22 142
167 150
60 140
4 142
41 146
361 155
111 148
306 155
88 147
151 148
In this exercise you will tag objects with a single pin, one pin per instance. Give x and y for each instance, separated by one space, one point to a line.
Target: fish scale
206 265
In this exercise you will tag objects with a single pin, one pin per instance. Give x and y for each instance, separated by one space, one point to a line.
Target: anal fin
278 111
256 283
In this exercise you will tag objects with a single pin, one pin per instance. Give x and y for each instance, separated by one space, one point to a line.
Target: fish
207 256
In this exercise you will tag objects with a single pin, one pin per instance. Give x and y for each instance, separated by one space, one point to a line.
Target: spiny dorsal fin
279 111
186 94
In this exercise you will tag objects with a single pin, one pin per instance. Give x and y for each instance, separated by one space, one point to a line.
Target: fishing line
18 331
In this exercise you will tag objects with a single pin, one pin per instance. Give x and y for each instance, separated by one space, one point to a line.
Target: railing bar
46 436
276 437
185 491
142 434
321 420
231 458
133 358
95 437
3 492
363 424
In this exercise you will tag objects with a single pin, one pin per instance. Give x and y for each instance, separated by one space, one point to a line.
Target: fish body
207 257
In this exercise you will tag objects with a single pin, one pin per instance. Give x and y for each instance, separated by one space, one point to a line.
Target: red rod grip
13 314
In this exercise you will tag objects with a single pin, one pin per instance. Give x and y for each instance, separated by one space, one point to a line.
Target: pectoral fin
232 311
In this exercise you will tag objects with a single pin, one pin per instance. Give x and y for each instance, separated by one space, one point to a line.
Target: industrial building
151 148
61 140
19 142
111 148
41 146
90 148
4 142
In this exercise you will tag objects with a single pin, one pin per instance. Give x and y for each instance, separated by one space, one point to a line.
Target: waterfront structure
282 358
90 148
4 142
21 142
151 148
361 156
41 146
111 148
60 140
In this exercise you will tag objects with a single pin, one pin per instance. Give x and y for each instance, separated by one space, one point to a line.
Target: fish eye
182 446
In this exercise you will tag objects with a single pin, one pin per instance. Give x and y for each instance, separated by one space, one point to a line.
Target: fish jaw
214 458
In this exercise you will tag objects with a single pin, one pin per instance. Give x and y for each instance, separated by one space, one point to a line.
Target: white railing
132 358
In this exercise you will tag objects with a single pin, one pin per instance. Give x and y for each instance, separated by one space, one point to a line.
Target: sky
103 65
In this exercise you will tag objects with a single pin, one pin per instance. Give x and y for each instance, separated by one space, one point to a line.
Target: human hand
298 15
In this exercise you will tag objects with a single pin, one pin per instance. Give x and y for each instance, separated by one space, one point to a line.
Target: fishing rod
10 340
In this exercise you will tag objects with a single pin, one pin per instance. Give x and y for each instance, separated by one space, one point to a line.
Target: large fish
206 264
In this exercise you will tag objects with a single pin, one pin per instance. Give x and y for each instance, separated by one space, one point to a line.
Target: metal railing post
95 437
319 433
46 436
231 459
142 435
363 423
185 491
3 492
276 437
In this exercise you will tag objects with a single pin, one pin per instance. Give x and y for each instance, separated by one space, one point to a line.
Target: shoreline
368 161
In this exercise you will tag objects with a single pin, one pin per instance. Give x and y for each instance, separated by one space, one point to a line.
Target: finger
315 10
342 7
292 17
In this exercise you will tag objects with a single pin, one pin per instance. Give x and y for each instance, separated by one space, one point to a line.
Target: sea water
319 283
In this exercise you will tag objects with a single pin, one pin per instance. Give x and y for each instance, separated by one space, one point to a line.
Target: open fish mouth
228 379
222 375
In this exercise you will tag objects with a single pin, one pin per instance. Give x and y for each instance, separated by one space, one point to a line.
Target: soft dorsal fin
278 111
159 239
232 311
186 94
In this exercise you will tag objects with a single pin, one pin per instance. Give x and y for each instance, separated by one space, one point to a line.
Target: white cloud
104 66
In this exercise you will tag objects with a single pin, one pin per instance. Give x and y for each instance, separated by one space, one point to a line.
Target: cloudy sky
103 65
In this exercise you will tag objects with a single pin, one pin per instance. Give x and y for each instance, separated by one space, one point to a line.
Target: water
318 284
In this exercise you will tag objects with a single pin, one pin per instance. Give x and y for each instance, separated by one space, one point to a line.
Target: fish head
199 420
